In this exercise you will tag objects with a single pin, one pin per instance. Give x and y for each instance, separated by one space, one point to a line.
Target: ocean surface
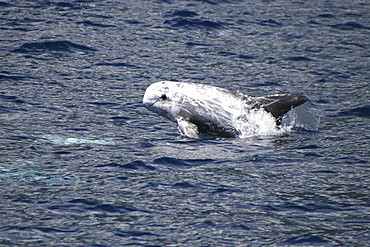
83 163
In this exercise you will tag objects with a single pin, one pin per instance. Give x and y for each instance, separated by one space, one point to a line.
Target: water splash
261 123
257 123
303 117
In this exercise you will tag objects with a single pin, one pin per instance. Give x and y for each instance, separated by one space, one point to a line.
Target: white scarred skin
180 95
204 111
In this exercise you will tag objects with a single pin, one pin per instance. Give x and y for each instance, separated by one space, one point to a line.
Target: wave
363 111
349 26
193 23
52 46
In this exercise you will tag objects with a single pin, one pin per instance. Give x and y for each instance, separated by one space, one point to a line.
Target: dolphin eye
163 97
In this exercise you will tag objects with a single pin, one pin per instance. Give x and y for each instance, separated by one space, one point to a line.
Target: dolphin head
164 98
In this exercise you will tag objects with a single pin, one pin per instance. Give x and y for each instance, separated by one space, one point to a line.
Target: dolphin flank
203 111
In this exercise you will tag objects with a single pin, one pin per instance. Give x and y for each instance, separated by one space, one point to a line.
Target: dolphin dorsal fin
279 105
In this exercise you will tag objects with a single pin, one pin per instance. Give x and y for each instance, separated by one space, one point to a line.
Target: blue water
83 163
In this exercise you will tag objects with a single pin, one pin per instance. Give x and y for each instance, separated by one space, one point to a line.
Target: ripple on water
83 163
63 46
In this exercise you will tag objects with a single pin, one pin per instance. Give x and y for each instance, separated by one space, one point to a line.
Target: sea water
83 163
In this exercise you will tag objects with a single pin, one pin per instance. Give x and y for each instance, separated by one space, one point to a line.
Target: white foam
64 140
257 123
262 123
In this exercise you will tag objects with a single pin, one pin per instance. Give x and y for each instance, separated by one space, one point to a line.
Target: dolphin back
279 105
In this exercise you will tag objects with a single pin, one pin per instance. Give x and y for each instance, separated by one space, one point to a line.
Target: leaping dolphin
203 111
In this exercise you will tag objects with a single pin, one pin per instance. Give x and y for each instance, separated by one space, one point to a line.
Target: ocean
83 163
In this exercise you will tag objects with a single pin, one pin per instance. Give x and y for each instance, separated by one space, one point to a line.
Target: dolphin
208 112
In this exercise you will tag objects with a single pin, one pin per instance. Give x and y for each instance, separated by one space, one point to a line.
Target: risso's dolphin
203 111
